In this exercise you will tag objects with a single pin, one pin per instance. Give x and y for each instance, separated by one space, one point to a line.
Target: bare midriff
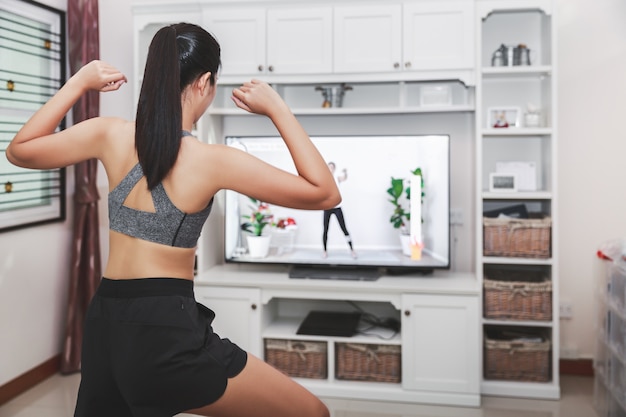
131 258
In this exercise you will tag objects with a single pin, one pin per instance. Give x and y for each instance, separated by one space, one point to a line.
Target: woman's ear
204 82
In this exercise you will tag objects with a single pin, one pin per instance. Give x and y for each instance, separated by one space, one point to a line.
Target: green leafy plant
259 218
401 217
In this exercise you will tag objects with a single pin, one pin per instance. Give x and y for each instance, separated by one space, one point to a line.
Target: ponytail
159 111
177 56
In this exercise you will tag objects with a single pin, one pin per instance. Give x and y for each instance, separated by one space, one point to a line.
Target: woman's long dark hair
177 56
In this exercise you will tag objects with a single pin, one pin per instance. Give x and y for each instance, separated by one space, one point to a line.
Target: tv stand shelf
286 327
438 314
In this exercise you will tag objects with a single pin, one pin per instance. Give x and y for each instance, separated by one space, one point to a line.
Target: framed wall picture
502 182
503 117
33 55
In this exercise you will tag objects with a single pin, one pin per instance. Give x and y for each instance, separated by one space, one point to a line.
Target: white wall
592 100
592 94
34 265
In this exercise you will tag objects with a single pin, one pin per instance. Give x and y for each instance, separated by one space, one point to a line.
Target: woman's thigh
261 390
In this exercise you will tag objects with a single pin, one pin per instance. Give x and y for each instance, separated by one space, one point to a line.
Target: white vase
405 242
258 246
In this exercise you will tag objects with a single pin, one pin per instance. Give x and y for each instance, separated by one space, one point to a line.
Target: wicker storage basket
517 295
297 358
525 238
368 362
517 359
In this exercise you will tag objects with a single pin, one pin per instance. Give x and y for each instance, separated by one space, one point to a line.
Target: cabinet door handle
396 65
260 68
407 313
407 64
253 306
271 68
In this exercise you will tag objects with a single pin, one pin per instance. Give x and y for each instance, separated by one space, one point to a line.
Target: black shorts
149 351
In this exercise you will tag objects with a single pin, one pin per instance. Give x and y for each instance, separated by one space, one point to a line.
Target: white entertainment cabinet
388 51
439 319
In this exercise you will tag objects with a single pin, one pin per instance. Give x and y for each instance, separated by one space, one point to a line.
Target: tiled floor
55 397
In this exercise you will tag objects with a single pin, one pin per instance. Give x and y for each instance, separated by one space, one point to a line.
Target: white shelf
286 327
352 111
518 131
364 98
381 290
467 77
509 23
519 195
516 72
527 323
537 390
515 261
424 305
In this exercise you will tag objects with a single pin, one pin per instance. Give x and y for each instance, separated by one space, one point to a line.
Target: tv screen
359 233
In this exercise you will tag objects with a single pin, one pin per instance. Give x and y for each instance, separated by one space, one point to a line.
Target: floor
55 397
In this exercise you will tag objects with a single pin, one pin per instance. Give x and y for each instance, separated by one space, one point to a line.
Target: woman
148 347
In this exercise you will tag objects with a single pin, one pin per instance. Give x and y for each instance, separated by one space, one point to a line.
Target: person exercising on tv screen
338 212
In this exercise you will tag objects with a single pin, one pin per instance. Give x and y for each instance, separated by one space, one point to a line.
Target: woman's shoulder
108 128
115 124
120 142
107 121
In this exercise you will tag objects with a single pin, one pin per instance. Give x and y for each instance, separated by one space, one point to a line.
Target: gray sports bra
168 225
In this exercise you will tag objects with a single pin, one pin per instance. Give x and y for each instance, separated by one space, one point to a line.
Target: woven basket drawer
525 238
368 362
517 360
297 358
517 295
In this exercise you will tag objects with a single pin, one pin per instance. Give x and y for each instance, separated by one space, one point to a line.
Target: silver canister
497 59
333 95
510 54
503 56
521 55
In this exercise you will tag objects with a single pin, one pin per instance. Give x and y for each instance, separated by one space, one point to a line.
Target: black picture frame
35 33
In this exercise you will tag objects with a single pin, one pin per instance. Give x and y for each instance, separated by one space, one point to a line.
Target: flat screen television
364 167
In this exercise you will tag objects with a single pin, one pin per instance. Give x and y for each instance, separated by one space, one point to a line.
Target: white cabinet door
241 35
368 38
272 41
438 35
299 40
237 314
440 343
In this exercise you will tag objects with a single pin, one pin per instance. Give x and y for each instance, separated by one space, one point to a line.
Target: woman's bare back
131 257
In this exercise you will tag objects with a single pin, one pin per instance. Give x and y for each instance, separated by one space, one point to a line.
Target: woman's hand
258 97
99 76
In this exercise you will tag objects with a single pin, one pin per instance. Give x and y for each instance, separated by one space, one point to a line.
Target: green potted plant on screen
401 217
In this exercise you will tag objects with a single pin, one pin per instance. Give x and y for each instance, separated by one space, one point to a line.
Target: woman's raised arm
314 186
37 146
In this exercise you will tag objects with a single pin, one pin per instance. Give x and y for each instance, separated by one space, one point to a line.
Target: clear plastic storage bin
610 354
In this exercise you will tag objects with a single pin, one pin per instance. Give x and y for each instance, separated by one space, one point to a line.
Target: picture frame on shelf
500 182
503 117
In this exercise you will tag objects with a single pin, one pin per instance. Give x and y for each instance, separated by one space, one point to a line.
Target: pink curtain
85 271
